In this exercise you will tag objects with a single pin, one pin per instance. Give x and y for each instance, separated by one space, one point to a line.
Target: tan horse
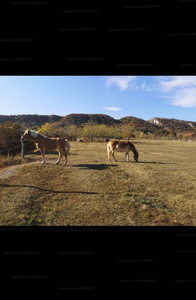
122 146
43 143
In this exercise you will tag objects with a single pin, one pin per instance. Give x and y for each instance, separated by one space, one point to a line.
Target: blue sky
117 96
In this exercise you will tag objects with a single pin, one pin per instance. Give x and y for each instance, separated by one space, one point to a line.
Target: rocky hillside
174 125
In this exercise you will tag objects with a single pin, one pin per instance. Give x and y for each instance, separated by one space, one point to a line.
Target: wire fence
8 149
11 149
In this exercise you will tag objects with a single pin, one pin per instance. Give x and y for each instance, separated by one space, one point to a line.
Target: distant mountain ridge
35 121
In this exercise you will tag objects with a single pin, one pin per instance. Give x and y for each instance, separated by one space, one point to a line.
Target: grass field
158 190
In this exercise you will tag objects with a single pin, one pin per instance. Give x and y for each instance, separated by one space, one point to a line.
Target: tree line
10 134
92 131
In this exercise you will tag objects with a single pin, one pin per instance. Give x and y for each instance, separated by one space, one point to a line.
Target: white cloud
145 88
151 88
181 90
120 81
185 98
143 85
112 108
177 82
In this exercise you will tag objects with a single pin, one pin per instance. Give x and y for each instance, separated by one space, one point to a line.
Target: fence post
22 150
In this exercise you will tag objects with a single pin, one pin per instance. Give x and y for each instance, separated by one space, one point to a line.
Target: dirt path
6 172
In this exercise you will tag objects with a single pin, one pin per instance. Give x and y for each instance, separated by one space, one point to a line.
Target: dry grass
90 190
9 161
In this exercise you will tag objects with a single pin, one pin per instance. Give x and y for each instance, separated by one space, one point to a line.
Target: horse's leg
109 152
128 156
43 155
113 155
65 152
65 158
60 155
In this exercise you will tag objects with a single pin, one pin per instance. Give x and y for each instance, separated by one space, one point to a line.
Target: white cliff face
191 125
154 121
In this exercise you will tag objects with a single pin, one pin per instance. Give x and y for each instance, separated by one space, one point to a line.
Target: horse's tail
108 146
109 149
68 146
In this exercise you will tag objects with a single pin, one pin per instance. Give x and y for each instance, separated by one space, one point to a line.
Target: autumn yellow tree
48 128
141 135
190 135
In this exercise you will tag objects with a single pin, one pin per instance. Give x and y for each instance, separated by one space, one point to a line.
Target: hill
153 125
80 119
29 121
35 121
174 125
140 124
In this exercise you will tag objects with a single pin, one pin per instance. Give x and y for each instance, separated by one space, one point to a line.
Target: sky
143 97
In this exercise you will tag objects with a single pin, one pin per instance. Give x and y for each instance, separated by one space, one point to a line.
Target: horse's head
136 156
26 135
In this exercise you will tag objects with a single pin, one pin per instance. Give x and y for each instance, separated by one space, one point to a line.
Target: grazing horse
122 146
43 143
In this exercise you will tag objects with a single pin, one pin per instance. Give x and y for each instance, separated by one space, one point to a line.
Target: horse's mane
33 131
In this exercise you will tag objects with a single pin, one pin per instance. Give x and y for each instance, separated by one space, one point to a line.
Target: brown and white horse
43 143
122 146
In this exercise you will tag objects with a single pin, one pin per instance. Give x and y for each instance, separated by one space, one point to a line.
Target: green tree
88 131
72 131
101 131
126 131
